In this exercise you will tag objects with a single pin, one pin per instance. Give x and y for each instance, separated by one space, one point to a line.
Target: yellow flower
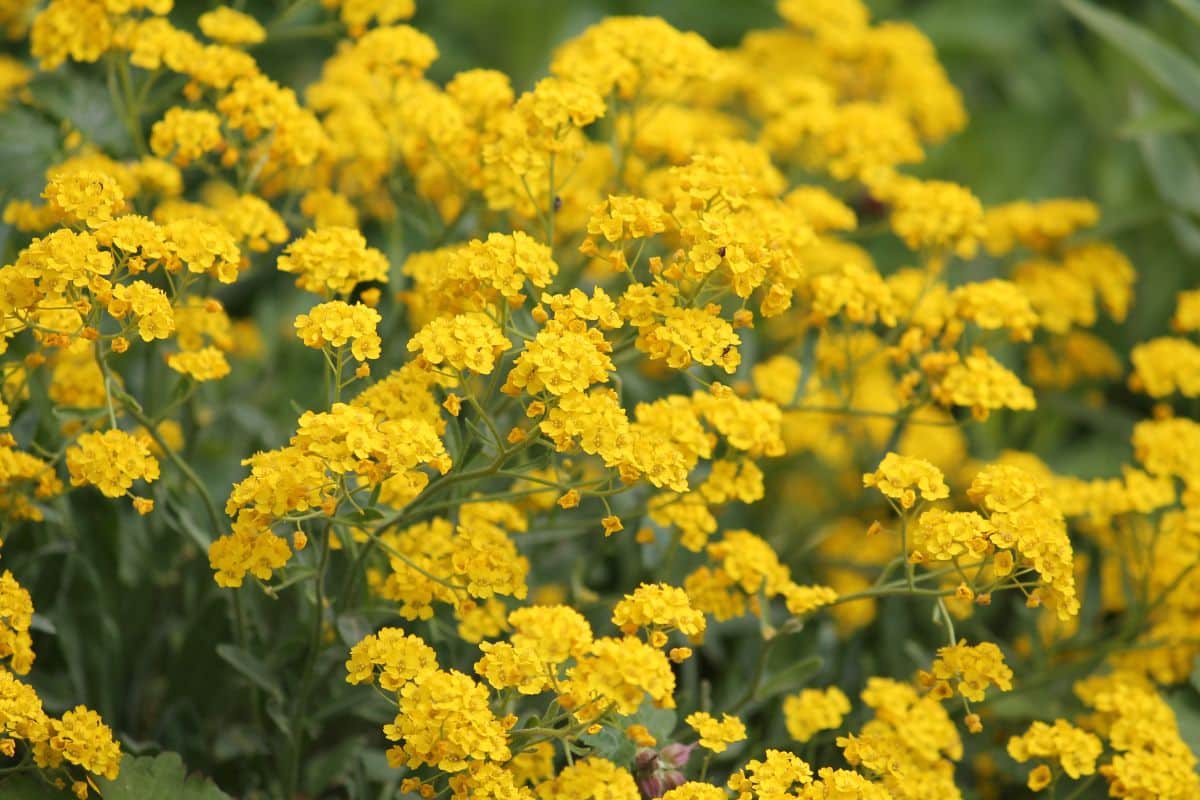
814 710
205 364
186 135
621 673
928 215
1038 226
334 324
802 600
716 735
246 550
588 776
903 477
1074 749
392 658
82 738
464 342
1166 365
968 670
16 615
561 360
779 774
88 196
981 383
658 606
445 721
148 304
227 26
332 261
111 461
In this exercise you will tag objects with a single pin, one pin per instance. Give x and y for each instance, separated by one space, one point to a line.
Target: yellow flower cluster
445 721
903 477
332 261
968 670
229 26
660 607
336 324
185 135
618 674
111 461
205 364
1150 756
87 196
463 342
814 710
16 615
632 302
79 738
1074 749
716 734
1165 366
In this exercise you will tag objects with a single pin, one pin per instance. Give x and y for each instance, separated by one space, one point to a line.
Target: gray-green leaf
1170 69
790 678
251 667
158 776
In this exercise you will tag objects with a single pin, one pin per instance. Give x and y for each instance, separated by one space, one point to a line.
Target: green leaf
158 776
29 145
1186 705
239 742
790 678
1167 120
1187 233
612 744
1191 8
1172 163
659 721
189 526
1170 69
353 627
327 767
83 102
365 516
251 667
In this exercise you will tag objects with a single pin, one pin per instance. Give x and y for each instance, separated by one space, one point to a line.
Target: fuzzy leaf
158 776
1170 69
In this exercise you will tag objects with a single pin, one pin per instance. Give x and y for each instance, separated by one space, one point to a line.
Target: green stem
297 735
760 668
134 409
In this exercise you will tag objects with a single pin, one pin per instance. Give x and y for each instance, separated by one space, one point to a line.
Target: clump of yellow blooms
332 261
716 734
626 429
1074 749
111 461
660 607
463 342
968 670
229 26
65 748
814 710
205 364
903 478
335 324
186 135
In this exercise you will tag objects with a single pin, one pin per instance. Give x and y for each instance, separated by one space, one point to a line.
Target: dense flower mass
665 429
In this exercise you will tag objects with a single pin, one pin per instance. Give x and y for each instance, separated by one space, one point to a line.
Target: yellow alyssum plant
562 344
